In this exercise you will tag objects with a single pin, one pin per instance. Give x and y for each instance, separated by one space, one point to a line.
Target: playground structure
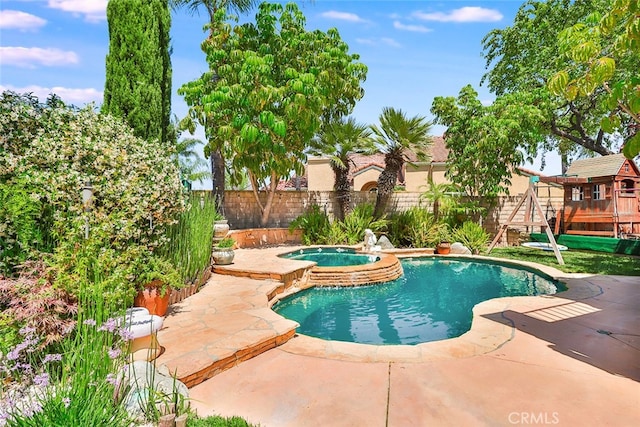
601 198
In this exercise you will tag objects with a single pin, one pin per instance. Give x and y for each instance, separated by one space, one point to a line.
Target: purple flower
110 325
27 331
90 322
26 367
52 358
41 380
29 411
111 379
13 354
114 353
126 334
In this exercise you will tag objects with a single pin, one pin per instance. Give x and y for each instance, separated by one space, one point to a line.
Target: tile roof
597 166
439 153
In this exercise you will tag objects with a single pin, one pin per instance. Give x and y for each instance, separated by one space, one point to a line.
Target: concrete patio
570 359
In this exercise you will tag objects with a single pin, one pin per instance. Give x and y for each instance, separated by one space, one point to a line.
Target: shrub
398 226
360 219
137 190
414 227
25 224
314 225
473 236
31 301
335 235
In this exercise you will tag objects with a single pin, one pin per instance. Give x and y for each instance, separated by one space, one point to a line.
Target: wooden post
530 197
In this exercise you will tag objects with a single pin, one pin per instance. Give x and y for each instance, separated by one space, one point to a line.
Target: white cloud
464 14
77 97
381 41
342 16
93 10
390 42
415 28
366 41
15 19
30 57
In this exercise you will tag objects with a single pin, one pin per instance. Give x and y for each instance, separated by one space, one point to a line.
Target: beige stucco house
415 176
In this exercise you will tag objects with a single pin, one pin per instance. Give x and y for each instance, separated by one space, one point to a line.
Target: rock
459 249
385 243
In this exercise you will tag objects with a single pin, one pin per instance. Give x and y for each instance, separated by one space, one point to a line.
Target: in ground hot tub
340 266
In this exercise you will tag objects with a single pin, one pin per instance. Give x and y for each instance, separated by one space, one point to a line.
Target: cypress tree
138 67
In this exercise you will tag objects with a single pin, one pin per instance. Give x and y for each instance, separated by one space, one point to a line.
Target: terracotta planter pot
443 248
151 298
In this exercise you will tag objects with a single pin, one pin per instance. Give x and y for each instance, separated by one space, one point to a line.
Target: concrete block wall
242 211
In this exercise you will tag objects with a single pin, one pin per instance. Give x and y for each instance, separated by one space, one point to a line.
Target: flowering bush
57 149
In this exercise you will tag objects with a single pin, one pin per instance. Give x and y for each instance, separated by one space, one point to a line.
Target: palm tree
338 140
396 137
212 6
192 166
440 196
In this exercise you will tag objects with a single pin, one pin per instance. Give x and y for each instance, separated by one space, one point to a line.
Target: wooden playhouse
601 197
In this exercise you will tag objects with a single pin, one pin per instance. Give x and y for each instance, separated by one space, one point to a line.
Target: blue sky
415 50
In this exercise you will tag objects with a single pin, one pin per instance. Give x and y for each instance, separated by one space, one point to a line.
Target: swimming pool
432 301
332 257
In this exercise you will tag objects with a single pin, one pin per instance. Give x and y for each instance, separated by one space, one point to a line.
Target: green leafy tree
338 141
597 47
138 67
216 156
485 142
268 87
523 57
396 136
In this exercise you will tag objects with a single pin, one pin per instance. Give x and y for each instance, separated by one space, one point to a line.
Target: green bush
415 228
360 219
25 224
397 228
314 225
473 236
335 235
136 186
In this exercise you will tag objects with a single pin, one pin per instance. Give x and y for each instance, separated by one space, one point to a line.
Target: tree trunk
386 184
393 162
217 175
266 210
343 193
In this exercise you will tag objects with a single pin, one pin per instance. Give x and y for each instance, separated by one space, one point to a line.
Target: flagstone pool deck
572 359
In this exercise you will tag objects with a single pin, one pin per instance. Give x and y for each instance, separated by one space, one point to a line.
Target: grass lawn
575 261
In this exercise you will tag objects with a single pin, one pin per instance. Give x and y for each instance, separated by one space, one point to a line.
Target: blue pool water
432 301
332 257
